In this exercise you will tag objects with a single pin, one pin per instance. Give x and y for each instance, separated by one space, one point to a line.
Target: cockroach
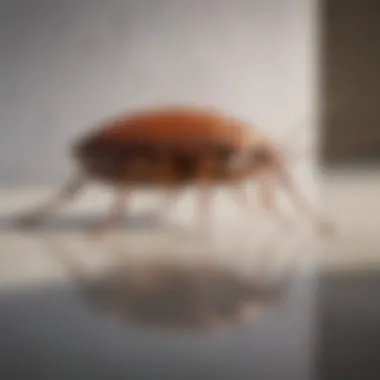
173 147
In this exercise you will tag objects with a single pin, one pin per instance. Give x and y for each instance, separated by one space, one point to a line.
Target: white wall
67 64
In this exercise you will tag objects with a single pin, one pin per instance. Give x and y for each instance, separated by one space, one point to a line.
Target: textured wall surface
68 64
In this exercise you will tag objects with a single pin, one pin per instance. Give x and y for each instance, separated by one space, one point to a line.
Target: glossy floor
49 331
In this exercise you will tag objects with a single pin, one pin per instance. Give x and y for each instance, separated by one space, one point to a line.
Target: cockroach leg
267 197
205 196
115 214
324 226
165 172
241 198
66 194
204 212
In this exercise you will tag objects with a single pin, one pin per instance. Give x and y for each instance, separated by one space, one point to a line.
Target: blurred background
349 307
65 66
71 64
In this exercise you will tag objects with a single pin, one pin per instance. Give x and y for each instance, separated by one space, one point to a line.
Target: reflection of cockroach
175 147
169 296
173 295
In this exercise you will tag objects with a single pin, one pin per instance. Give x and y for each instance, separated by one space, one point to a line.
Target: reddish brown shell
167 144
176 126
